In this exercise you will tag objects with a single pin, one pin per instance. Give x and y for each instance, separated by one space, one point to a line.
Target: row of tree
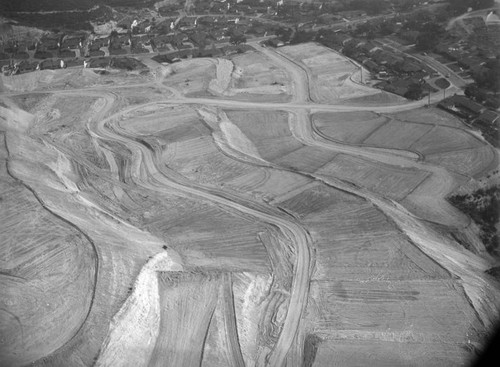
462 6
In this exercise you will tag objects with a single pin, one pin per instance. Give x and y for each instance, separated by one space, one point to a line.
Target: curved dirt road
146 172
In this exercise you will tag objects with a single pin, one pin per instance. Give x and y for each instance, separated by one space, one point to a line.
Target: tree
473 92
414 91
405 5
284 34
426 41
488 79
301 37
349 50
461 6
373 7
237 38
387 27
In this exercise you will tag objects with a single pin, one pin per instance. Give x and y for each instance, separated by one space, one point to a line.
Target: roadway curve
147 171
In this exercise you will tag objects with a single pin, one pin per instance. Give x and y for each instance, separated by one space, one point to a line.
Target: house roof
410 66
370 64
470 62
462 102
73 42
489 117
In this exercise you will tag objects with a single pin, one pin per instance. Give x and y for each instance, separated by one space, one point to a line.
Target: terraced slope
48 266
158 226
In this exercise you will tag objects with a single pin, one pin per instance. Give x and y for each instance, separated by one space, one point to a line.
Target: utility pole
361 69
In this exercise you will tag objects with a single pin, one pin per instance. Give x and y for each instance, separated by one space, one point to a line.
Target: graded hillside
193 77
268 131
187 303
76 77
256 77
440 139
333 77
241 211
48 273
348 127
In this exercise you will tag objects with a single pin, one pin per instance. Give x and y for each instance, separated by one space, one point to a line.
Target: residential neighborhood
249 183
406 46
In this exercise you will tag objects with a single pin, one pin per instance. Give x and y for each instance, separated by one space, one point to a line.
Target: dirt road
146 170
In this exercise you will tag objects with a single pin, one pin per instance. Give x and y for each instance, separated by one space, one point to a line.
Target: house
65 53
368 47
207 20
409 66
94 46
188 22
48 64
410 36
50 43
103 41
210 52
218 34
26 66
353 43
199 38
349 14
342 38
21 56
382 57
163 40
74 62
96 53
371 65
396 86
259 30
102 62
43 55
471 62
488 117
462 106
72 43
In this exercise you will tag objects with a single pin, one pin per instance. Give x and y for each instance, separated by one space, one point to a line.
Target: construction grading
236 212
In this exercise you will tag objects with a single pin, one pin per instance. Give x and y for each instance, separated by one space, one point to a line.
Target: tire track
146 171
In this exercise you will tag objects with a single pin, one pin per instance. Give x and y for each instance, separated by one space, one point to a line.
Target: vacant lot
400 311
255 77
268 131
45 80
305 159
374 288
385 180
382 353
192 77
332 76
428 115
155 121
397 134
438 140
442 139
348 127
475 162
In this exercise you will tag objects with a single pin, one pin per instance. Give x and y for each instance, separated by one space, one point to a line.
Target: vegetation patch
442 83
482 206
